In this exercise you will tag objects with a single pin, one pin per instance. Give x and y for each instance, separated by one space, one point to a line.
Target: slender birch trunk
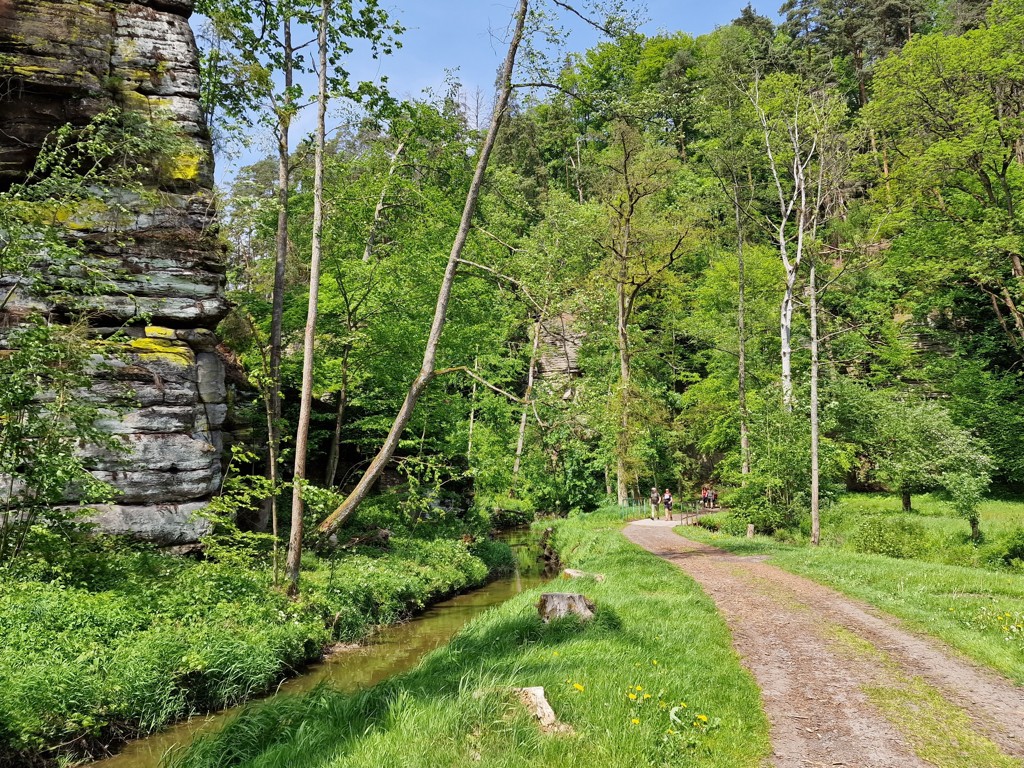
334 454
472 412
815 469
378 211
294 560
741 328
622 444
530 376
427 371
280 261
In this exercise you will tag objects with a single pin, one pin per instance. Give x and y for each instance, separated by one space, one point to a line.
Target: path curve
800 641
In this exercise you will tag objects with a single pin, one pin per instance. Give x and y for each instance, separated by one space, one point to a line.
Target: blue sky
468 38
467 34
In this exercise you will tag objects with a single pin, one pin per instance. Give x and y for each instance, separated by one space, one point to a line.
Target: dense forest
783 260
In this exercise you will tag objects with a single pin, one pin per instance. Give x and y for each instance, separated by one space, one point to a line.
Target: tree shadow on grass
322 727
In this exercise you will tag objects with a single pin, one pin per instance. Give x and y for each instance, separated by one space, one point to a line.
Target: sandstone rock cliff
64 62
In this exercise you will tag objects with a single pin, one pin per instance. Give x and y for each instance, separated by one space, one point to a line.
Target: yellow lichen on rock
184 166
162 349
159 332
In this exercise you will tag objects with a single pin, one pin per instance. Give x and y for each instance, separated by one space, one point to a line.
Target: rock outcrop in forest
66 63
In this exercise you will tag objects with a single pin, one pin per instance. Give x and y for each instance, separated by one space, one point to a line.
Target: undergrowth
104 641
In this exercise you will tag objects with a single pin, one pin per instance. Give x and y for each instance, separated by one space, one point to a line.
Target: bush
496 555
725 522
1007 550
890 536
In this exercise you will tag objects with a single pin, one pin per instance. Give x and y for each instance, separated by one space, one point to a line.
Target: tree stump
558 605
537 705
750 531
573 573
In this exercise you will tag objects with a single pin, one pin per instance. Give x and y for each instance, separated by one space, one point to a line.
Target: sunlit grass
651 681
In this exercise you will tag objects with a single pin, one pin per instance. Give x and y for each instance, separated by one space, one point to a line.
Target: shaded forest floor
841 683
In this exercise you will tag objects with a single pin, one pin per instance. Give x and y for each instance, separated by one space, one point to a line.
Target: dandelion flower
632 696
647 695
636 721
577 686
702 718
639 688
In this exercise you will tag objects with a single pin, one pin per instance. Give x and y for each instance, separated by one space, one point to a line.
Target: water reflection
390 651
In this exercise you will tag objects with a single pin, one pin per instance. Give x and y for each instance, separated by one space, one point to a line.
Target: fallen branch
474 375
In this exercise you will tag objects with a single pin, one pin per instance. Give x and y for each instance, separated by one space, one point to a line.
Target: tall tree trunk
271 503
378 211
741 327
280 261
622 444
786 340
905 499
815 469
427 371
521 441
472 412
334 455
306 400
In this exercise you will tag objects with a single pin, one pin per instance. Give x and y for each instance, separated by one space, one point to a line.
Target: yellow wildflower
632 696
577 686
636 721
702 718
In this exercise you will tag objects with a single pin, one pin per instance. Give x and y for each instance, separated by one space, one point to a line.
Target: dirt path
842 683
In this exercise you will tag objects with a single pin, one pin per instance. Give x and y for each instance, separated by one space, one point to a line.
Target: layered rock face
65 62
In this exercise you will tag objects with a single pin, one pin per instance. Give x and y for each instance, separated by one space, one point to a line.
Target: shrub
890 536
496 555
1007 550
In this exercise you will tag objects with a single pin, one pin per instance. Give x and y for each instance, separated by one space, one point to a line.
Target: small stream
388 652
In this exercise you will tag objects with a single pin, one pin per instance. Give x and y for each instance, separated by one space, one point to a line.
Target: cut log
573 573
537 705
558 605
750 531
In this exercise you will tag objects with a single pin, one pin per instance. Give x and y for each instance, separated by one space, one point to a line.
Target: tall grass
651 681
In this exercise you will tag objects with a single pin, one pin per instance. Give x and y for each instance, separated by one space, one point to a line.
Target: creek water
387 652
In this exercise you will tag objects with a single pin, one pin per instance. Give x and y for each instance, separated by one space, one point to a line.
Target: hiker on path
666 499
655 501
714 498
704 496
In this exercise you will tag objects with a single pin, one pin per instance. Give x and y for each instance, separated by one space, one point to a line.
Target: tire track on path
821 659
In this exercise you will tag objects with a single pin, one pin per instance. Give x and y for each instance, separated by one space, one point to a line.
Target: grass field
651 681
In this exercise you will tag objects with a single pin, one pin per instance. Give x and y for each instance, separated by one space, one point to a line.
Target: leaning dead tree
427 371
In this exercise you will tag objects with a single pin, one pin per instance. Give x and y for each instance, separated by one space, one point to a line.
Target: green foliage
889 536
43 420
507 512
239 495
